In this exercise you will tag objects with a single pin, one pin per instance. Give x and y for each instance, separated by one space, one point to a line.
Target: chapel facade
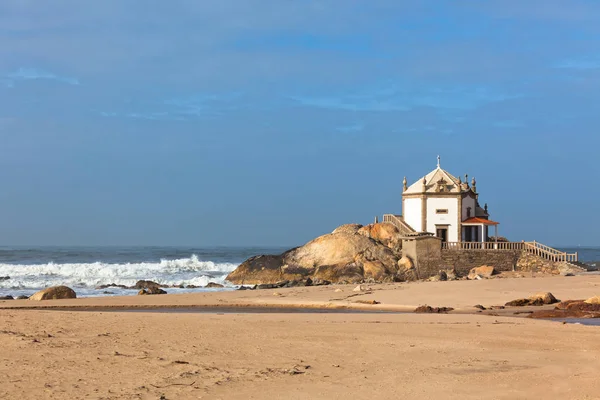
446 206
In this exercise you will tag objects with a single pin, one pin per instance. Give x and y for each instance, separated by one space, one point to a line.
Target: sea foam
88 276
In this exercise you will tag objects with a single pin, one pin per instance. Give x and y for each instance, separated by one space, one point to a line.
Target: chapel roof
433 180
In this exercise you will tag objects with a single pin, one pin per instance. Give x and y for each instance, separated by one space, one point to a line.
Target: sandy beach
121 354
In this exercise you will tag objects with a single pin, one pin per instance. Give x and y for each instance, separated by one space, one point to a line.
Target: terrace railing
534 248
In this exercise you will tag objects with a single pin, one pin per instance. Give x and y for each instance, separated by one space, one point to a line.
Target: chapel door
442 233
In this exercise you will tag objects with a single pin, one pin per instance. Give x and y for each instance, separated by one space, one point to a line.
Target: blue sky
238 122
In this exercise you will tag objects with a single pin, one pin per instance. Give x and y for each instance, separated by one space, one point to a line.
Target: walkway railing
483 245
534 247
549 253
397 221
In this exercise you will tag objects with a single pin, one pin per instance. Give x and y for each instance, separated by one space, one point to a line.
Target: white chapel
446 206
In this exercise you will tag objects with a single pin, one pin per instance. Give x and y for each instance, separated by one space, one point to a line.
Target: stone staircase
399 223
570 260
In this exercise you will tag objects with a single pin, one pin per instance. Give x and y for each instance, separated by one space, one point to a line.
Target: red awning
479 221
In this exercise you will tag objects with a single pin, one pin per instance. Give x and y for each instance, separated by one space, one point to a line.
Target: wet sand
228 355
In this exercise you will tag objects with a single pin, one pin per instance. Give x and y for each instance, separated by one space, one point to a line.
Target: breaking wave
184 271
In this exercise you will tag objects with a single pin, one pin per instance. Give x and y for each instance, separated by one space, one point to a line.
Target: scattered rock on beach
112 285
6 297
484 272
4 278
54 293
434 310
22 297
440 277
152 290
145 284
373 302
214 285
539 299
359 288
479 306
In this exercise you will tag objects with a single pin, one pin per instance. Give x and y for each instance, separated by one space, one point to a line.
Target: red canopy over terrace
483 223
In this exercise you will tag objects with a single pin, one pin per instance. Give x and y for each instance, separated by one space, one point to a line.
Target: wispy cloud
395 98
590 62
204 104
7 83
511 124
356 127
152 116
23 74
179 108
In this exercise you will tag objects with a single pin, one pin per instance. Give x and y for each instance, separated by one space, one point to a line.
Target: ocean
86 268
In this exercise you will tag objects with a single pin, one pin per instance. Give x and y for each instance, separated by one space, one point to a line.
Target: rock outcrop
348 228
54 293
350 254
589 308
538 299
385 233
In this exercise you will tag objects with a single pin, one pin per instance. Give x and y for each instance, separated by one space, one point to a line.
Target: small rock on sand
359 288
338 290
538 299
373 302
429 309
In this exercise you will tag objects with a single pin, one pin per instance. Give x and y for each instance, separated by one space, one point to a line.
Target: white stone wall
412 213
450 219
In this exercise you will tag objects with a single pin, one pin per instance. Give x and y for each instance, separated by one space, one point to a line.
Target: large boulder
348 228
385 233
343 256
484 271
54 293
